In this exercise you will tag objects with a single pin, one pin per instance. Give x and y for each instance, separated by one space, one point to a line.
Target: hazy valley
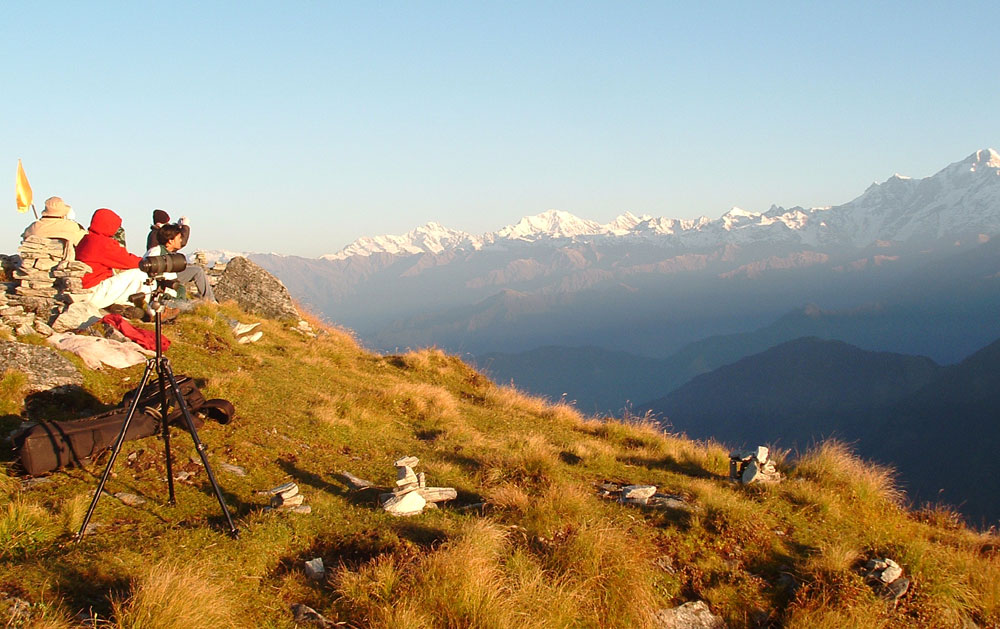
620 314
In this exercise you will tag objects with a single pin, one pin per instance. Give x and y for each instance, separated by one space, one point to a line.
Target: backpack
51 445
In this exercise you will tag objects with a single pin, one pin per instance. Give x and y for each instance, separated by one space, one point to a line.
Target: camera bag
51 445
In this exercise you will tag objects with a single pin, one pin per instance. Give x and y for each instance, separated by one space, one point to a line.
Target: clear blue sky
297 127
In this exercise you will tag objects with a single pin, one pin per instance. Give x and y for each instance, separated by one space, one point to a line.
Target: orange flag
22 190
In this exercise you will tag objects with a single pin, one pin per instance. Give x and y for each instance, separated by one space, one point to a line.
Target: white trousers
117 288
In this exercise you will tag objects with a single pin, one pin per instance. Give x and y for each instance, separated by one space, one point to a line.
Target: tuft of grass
833 464
171 596
12 388
24 528
423 401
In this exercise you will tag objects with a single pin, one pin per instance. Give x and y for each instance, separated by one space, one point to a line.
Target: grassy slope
548 552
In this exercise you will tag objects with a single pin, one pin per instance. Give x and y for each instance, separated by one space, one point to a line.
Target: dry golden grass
423 401
171 596
832 463
547 553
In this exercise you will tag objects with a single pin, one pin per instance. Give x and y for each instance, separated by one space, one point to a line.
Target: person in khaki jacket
57 222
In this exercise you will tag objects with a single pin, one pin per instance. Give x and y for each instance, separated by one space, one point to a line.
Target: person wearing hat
57 222
161 218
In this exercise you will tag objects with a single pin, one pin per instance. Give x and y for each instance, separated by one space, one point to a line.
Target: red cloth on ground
145 338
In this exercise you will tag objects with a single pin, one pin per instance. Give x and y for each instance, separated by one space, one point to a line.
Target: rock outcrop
255 290
45 368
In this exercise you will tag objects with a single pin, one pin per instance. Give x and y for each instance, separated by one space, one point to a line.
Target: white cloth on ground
95 350
117 288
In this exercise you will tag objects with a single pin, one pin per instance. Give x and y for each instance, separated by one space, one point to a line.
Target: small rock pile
45 282
887 578
305 329
692 615
412 494
286 498
753 466
212 273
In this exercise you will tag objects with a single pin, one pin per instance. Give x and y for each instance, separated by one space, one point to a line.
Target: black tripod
164 375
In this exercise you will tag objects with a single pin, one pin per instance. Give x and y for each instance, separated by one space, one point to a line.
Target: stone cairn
212 273
286 498
886 576
412 494
45 282
752 466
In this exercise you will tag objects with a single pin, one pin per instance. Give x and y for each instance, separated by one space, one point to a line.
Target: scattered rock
255 290
233 469
28 483
130 499
637 494
78 315
304 613
667 501
693 615
896 590
44 367
280 489
280 501
315 569
354 482
300 509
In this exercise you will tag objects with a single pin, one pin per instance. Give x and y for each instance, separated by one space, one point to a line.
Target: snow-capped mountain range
963 198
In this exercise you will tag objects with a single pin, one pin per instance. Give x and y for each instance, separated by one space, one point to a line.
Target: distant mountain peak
549 224
988 158
961 198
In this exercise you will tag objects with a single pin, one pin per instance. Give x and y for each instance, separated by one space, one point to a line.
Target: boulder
255 290
77 315
45 368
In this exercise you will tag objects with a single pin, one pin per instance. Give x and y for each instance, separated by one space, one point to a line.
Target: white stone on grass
410 503
638 493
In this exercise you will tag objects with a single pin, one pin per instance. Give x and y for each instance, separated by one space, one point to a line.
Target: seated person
57 222
115 274
161 218
171 238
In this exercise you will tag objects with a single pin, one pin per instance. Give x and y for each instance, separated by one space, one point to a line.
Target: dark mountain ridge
936 425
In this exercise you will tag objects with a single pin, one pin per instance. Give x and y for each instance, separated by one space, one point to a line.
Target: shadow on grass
670 464
401 539
63 403
89 589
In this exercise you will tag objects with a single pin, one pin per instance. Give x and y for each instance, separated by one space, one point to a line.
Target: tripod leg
164 411
165 371
117 448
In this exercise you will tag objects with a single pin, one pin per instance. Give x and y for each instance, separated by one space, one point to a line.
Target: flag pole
35 211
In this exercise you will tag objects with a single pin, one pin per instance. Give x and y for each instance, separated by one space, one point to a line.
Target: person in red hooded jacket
115 273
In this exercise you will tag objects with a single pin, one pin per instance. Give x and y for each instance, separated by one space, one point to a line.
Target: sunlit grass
544 551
